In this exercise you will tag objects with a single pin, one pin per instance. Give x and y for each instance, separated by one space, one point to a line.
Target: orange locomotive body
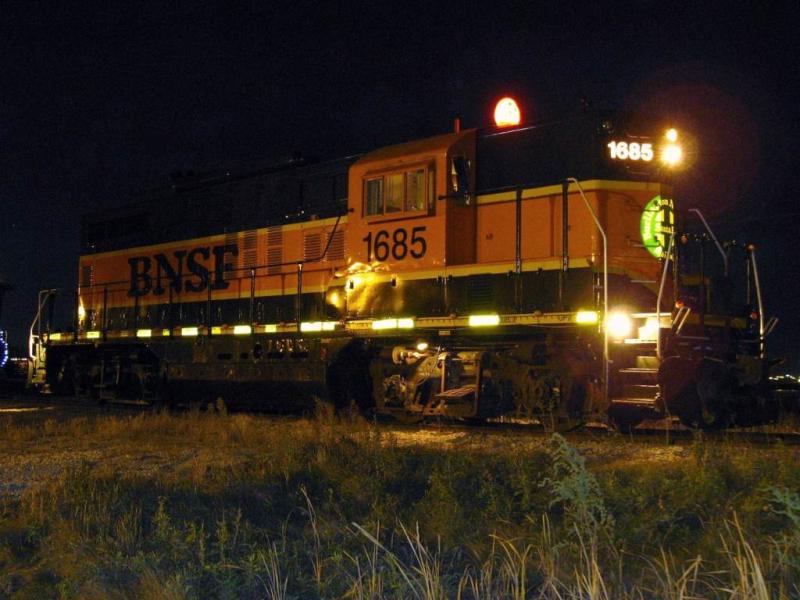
463 275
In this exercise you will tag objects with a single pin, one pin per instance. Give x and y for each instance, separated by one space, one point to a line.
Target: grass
205 505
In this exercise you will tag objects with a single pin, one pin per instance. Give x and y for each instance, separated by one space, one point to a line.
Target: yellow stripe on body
589 185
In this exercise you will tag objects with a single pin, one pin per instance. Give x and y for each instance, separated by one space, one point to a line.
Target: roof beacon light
506 113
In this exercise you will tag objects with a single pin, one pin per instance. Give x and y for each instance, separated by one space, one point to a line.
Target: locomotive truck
533 270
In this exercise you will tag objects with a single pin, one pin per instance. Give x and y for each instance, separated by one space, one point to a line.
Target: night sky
99 102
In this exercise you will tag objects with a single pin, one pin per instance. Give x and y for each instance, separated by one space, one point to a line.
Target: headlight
620 325
671 155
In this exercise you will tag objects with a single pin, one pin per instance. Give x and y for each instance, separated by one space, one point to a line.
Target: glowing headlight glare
422 346
586 317
484 320
619 325
671 155
384 324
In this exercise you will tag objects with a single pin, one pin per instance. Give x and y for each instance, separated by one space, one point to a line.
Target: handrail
44 295
680 319
661 293
605 286
713 237
761 337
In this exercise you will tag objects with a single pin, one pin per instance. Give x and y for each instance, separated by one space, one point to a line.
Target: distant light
242 330
93 335
484 320
144 333
190 331
166 332
671 135
506 113
54 337
671 155
216 330
586 317
271 328
422 346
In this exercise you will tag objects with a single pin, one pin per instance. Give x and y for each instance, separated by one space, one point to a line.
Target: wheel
624 419
348 380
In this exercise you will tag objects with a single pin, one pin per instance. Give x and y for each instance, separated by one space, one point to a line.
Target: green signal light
656 224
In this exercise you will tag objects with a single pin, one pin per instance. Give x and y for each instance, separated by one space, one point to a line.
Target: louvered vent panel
232 239
336 249
275 236
87 276
250 256
480 291
312 246
274 260
274 250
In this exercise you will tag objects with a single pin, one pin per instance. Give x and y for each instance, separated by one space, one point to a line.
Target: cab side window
395 193
374 196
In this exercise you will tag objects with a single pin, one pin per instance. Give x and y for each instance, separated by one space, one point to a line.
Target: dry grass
212 505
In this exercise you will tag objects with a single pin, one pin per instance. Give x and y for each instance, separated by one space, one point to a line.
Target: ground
116 502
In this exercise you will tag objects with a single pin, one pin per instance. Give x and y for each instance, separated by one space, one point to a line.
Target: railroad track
663 431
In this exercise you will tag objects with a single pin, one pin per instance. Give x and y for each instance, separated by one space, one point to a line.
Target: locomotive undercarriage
552 377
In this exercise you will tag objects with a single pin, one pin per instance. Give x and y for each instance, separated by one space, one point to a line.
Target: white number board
630 151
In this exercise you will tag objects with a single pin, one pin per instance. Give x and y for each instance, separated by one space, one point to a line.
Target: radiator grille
312 246
336 249
250 256
274 249
275 236
232 239
274 260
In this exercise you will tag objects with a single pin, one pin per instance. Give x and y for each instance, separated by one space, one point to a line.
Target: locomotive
526 270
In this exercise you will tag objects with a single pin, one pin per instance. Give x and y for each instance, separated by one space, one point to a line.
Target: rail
661 294
713 237
751 251
606 361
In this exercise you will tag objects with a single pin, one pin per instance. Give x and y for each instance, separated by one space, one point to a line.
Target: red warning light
506 113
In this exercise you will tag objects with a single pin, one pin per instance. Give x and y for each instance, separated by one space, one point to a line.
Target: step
645 370
641 390
456 393
647 362
642 402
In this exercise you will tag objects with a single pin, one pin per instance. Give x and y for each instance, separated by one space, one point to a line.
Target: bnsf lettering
169 271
